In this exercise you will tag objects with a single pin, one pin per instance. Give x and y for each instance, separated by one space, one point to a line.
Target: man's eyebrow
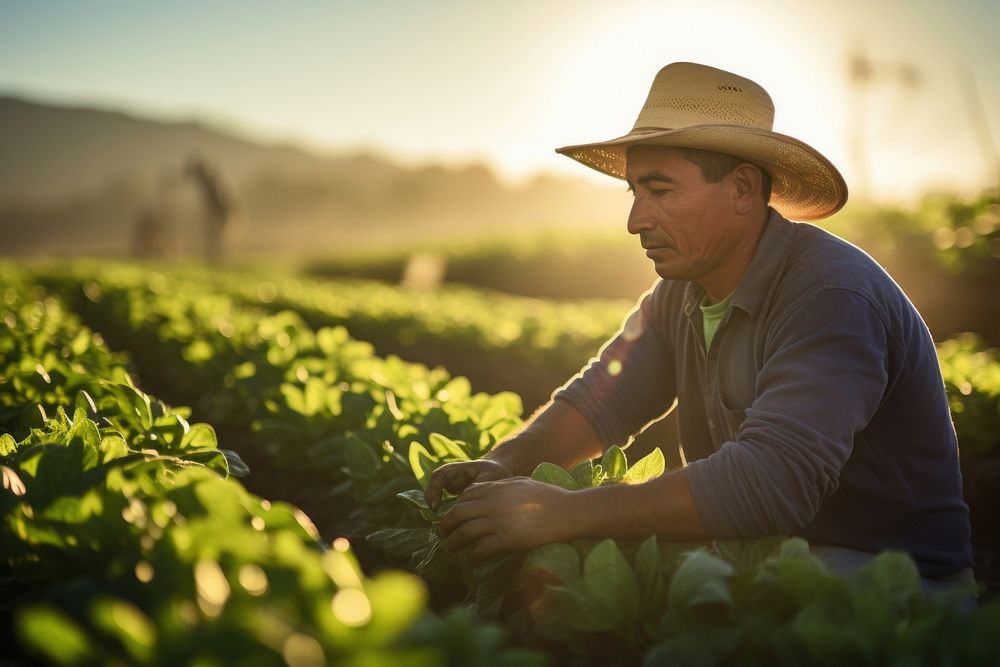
655 176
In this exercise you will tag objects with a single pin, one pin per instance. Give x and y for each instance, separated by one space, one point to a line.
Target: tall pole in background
863 75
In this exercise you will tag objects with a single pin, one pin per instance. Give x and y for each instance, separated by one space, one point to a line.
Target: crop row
125 541
552 339
761 601
523 344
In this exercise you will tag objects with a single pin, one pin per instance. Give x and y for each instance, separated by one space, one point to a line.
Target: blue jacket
819 409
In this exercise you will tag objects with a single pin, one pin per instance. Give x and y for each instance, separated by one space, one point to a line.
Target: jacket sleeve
630 382
825 373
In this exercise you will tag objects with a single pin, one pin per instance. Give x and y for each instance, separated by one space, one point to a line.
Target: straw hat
696 106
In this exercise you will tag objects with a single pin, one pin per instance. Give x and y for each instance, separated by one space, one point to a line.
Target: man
218 206
809 395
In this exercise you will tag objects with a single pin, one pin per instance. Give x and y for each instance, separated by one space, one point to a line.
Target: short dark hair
716 165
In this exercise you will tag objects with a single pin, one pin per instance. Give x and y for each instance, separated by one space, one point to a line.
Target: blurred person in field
219 211
808 390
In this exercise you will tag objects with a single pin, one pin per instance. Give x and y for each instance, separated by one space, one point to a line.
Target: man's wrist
570 516
508 453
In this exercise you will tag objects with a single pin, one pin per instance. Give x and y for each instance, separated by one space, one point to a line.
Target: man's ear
747 182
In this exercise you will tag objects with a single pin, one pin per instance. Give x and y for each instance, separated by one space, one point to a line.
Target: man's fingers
459 514
469 532
474 491
453 476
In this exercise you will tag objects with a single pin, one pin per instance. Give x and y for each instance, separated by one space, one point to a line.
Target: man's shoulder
818 260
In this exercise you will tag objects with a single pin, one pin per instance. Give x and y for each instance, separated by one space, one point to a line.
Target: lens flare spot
213 588
253 579
267 292
351 607
144 572
944 238
303 651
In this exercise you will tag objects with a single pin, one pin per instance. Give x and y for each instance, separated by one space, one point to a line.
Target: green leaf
573 606
610 583
397 600
421 462
361 459
198 351
86 432
648 467
434 562
200 436
583 473
315 395
134 629
558 559
294 398
649 575
614 463
400 542
133 405
795 547
56 635
414 497
446 448
213 459
550 473
237 466
892 577
8 445
113 447
56 470
701 579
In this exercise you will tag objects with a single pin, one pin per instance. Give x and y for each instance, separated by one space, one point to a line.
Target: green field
279 518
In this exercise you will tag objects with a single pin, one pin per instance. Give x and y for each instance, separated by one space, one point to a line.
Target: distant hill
73 181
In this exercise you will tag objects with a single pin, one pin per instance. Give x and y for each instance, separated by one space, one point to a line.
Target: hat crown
685 94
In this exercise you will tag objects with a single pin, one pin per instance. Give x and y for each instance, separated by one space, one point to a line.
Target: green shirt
711 315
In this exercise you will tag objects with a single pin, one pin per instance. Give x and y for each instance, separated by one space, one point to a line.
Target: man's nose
638 218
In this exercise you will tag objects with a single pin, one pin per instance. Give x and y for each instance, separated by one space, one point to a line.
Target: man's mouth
655 245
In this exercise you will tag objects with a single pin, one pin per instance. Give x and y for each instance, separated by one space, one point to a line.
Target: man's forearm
556 433
517 513
663 506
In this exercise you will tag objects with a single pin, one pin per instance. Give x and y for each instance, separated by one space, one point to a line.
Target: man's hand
455 477
496 518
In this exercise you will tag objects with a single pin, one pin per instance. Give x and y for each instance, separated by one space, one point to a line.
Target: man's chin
667 271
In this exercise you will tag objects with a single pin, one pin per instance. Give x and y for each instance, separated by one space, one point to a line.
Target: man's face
685 223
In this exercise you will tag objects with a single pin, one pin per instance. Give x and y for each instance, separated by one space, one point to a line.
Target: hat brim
805 185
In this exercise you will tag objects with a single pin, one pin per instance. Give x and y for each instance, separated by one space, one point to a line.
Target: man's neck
723 282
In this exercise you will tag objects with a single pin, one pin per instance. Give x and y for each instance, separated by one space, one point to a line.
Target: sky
508 82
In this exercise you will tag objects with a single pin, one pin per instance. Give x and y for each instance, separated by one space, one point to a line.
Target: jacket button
711 424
